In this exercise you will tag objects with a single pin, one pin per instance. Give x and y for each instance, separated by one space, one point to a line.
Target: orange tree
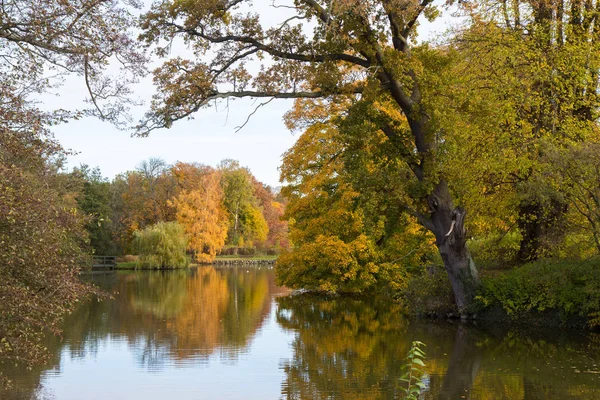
201 212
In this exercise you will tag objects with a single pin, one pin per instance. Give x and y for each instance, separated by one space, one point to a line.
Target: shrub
162 245
130 258
571 288
430 292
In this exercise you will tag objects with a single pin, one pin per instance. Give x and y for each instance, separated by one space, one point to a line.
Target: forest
459 175
217 210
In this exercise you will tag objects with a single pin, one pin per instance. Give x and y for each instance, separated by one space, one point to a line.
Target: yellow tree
200 211
354 47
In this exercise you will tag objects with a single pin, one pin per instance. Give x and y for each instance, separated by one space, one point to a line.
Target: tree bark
451 240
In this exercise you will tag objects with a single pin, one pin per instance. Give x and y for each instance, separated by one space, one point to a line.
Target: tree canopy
475 121
360 49
41 229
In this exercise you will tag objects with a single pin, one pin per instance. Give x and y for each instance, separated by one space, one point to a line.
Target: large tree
537 64
201 212
41 42
41 238
320 49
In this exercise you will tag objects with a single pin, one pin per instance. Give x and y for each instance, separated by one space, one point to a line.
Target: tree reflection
344 349
353 349
164 317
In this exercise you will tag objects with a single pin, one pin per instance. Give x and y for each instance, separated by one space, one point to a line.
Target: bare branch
86 67
157 120
239 128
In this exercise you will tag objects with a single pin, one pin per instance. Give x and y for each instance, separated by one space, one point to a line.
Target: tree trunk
451 240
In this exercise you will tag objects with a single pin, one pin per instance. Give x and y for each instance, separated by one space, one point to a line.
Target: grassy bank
126 265
242 258
228 259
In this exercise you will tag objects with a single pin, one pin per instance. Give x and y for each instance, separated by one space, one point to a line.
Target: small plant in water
414 371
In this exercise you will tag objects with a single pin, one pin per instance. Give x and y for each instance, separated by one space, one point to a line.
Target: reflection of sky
114 372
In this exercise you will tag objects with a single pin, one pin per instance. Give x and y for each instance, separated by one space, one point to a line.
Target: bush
430 293
162 245
493 251
571 288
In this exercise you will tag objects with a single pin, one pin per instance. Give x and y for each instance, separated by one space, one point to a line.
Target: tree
272 211
146 196
44 40
41 231
161 245
577 169
201 213
41 238
538 64
356 47
95 202
247 222
347 229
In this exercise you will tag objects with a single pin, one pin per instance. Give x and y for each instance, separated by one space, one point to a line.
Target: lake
232 333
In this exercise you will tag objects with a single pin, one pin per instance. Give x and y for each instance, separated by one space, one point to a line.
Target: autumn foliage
201 213
217 207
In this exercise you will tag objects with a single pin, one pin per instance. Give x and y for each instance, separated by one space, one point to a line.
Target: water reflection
166 319
210 333
351 349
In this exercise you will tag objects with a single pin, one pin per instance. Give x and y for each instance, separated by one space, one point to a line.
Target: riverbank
544 293
221 260
236 260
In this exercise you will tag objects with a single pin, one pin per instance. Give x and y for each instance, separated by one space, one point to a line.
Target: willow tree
318 50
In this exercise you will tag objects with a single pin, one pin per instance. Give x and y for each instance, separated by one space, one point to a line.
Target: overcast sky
209 138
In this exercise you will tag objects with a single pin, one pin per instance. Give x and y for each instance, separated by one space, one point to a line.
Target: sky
208 138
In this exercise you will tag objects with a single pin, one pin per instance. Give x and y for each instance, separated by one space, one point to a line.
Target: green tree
95 202
532 90
577 170
247 222
162 245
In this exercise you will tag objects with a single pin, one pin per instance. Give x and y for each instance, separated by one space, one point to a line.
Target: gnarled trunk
449 230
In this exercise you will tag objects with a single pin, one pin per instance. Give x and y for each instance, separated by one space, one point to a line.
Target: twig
238 128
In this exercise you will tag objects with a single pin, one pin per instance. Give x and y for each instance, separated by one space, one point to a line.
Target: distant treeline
220 209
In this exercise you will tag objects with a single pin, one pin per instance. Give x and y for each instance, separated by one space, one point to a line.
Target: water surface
231 333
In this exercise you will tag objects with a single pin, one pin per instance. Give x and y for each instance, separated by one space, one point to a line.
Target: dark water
230 333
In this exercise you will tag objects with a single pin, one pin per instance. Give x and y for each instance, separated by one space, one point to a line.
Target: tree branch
322 13
157 120
271 50
239 128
